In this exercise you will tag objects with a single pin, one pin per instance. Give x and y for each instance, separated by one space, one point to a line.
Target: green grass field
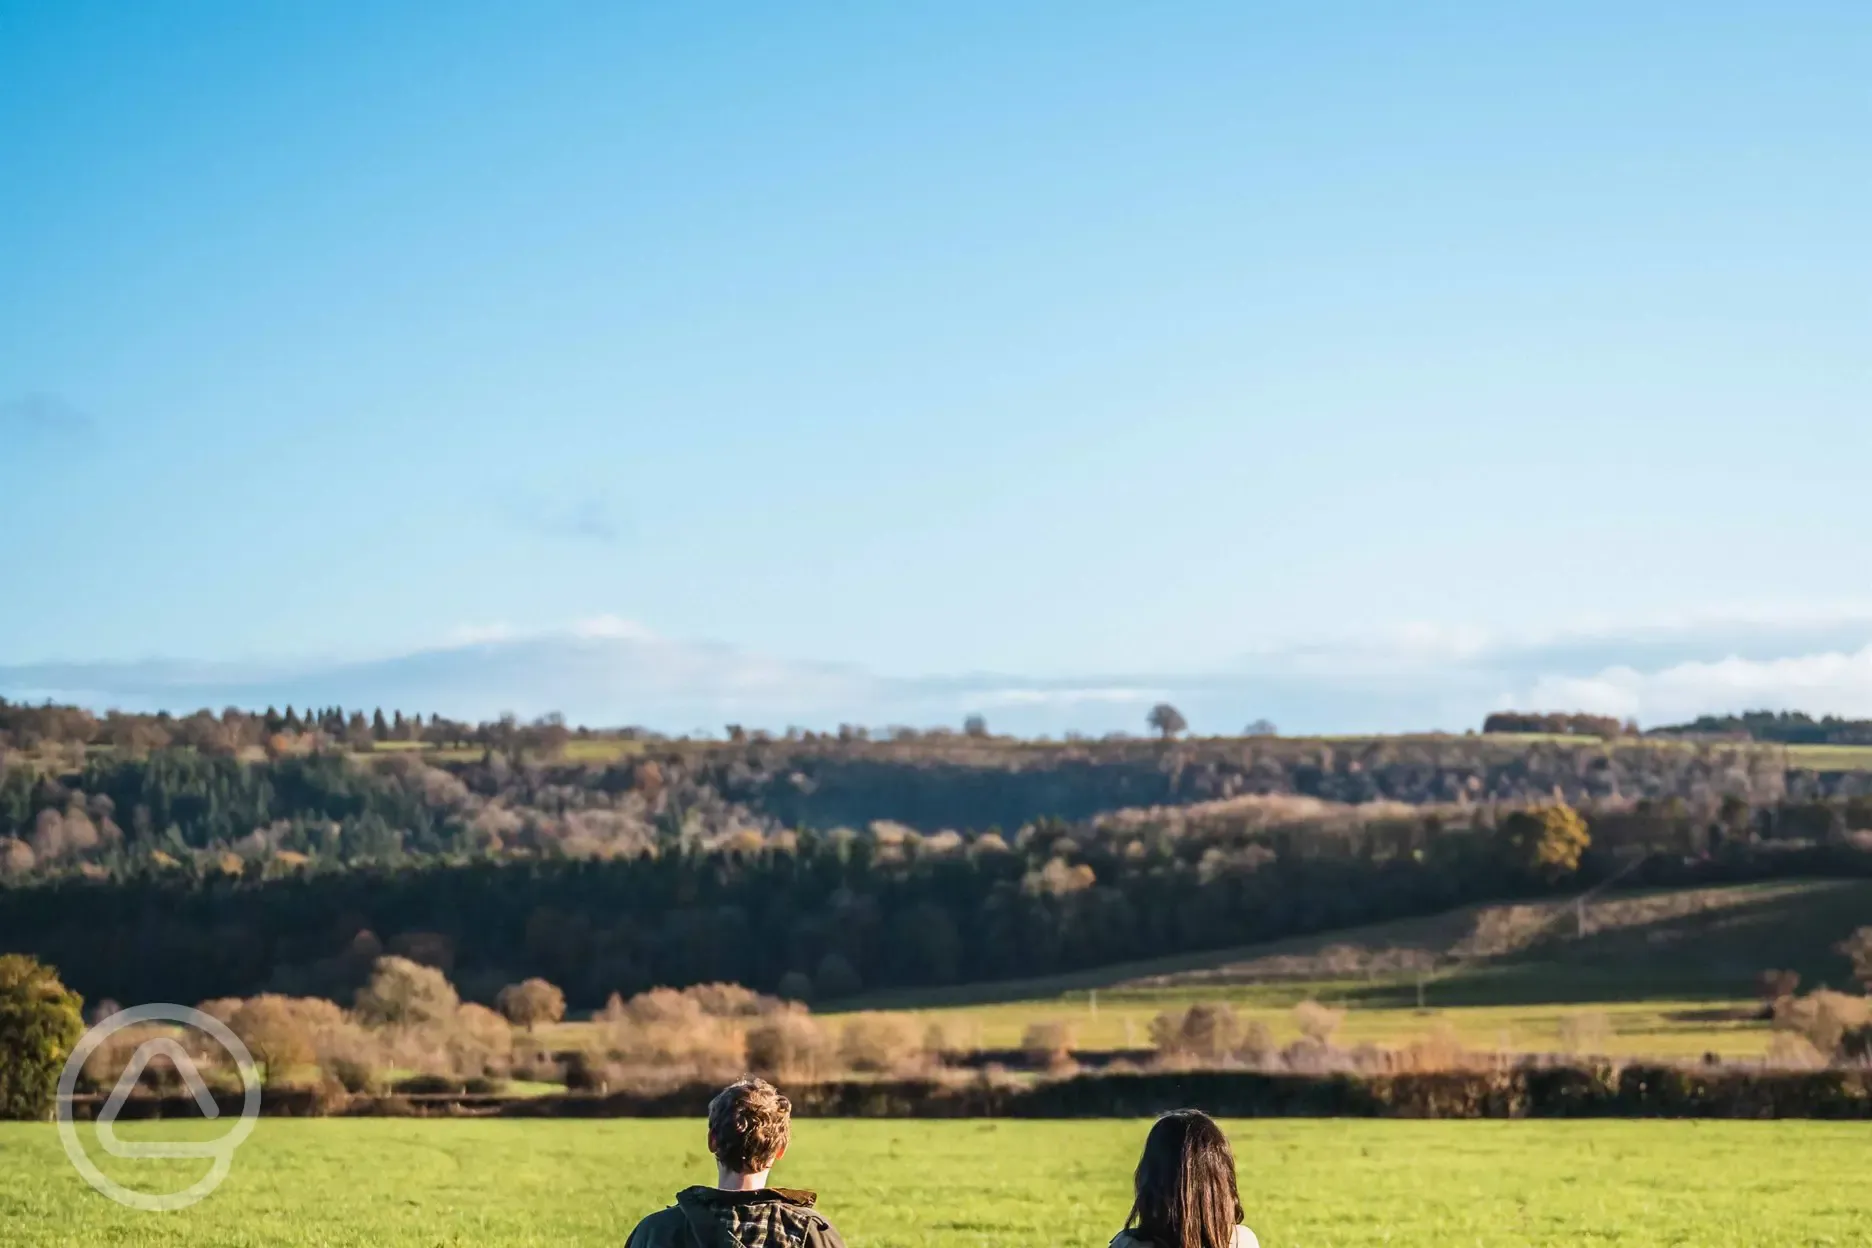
1663 1029
491 1184
587 750
1831 757
1671 973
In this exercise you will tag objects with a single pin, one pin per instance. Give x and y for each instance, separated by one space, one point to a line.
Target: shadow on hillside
1714 952
1711 953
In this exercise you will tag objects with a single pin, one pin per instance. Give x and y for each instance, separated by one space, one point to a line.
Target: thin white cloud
1067 696
594 628
1834 682
613 627
477 634
1585 644
610 669
588 517
35 418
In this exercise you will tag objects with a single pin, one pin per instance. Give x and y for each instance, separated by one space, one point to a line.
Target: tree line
112 812
35 727
1781 727
837 863
830 915
1560 723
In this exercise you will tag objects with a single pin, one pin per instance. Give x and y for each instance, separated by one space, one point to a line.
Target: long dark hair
1186 1195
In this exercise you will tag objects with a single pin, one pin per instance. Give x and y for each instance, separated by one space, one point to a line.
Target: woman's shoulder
1244 1238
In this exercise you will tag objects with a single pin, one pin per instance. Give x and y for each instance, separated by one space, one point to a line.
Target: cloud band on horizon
613 671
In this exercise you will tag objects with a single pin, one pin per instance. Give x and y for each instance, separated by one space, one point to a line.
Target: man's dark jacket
708 1217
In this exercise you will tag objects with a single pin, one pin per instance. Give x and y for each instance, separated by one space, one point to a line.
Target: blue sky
1097 348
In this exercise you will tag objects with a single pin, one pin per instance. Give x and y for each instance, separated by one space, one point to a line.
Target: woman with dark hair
1186 1188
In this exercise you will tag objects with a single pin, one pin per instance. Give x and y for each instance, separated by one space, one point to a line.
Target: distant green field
1831 757
1812 757
1670 973
1809 757
1649 1029
386 1183
596 750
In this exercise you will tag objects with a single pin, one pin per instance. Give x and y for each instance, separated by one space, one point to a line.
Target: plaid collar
721 1198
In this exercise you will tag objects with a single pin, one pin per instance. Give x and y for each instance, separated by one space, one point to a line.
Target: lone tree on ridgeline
40 1021
1166 721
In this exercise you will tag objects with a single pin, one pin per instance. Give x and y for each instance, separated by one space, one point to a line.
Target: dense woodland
49 726
1783 727
113 813
180 859
1561 723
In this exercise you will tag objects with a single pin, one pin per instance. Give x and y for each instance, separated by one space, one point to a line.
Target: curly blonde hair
749 1124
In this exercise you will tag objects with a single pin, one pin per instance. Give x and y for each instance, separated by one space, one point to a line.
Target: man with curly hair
749 1125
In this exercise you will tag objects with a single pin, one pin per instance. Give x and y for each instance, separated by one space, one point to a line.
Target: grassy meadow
1631 1029
1665 974
388 1183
